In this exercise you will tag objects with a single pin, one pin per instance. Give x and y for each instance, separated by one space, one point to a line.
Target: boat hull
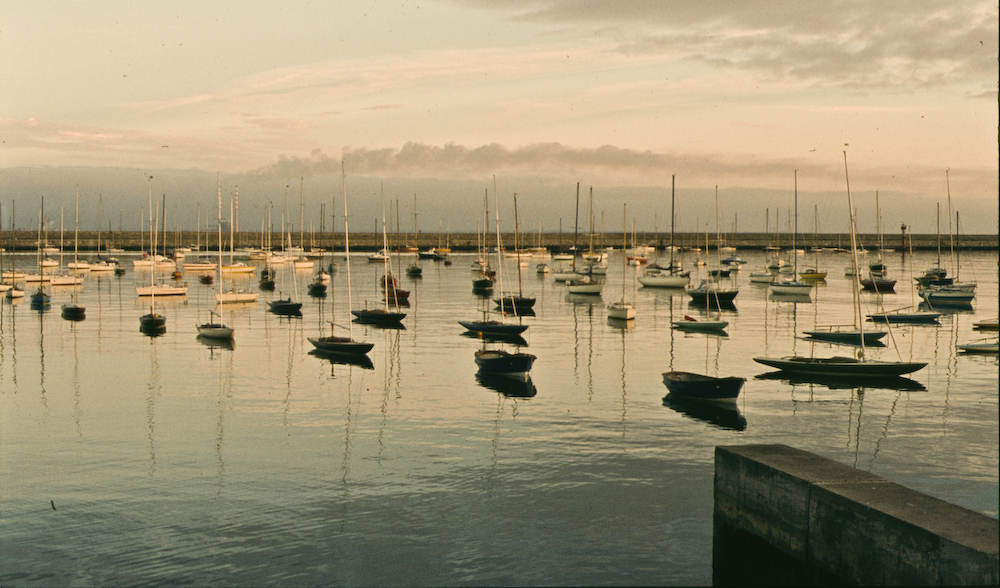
902 318
664 281
699 326
378 317
493 327
840 366
215 331
621 311
285 307
341 345
503 363
699 387
791 288
511 303
853 337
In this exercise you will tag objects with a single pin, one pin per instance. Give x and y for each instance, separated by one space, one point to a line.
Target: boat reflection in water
625 324
216 342
497 338
500 363
724 415
354 359
845 382
152 328
509 387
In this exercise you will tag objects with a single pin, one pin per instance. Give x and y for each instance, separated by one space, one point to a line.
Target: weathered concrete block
850 524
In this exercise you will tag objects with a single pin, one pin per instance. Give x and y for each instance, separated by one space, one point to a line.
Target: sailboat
622 310
909 314
10 278
495 327
103 264
955 293
286 306
877 280
500 362
673 275
414 270
814 273
485 274
511 303
213 330
4 286
587 283
333 343
561 273
73 310
381 316
710 291
845 366
793 286
152 323
231 295
301 262
389 282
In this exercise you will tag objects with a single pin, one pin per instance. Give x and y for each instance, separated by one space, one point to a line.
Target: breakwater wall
789 517
134 241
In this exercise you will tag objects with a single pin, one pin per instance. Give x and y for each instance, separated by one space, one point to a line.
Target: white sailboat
161 289
671 276
622 310
793 286
217 330
590 283
232 294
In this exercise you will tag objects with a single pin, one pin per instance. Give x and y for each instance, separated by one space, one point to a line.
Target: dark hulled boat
699 387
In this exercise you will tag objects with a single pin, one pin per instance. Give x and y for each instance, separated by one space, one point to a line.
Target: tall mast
672 217
576 223
854 260
302 211
795 234
218 189
951 233
347 247
517 250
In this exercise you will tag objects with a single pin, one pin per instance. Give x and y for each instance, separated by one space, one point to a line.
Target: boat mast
218 189
302 212
795 234
951 233
517 250
672 218
856 294
152 255
387 281
576 224
625 241
347 247
939 235
496 200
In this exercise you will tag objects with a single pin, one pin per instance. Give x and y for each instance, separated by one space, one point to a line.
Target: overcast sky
541 94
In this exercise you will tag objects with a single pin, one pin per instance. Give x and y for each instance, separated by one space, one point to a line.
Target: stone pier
787 516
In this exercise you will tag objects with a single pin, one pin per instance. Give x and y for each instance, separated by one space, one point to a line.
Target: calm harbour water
126 459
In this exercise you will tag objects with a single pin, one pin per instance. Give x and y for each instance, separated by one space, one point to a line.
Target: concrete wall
843 525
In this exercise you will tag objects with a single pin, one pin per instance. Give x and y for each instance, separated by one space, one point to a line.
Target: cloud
607 164
845 44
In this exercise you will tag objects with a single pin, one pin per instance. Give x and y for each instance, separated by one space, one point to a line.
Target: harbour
132 459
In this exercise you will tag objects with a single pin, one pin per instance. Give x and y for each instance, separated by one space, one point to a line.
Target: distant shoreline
27 241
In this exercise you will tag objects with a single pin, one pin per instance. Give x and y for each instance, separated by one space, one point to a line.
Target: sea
129 459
